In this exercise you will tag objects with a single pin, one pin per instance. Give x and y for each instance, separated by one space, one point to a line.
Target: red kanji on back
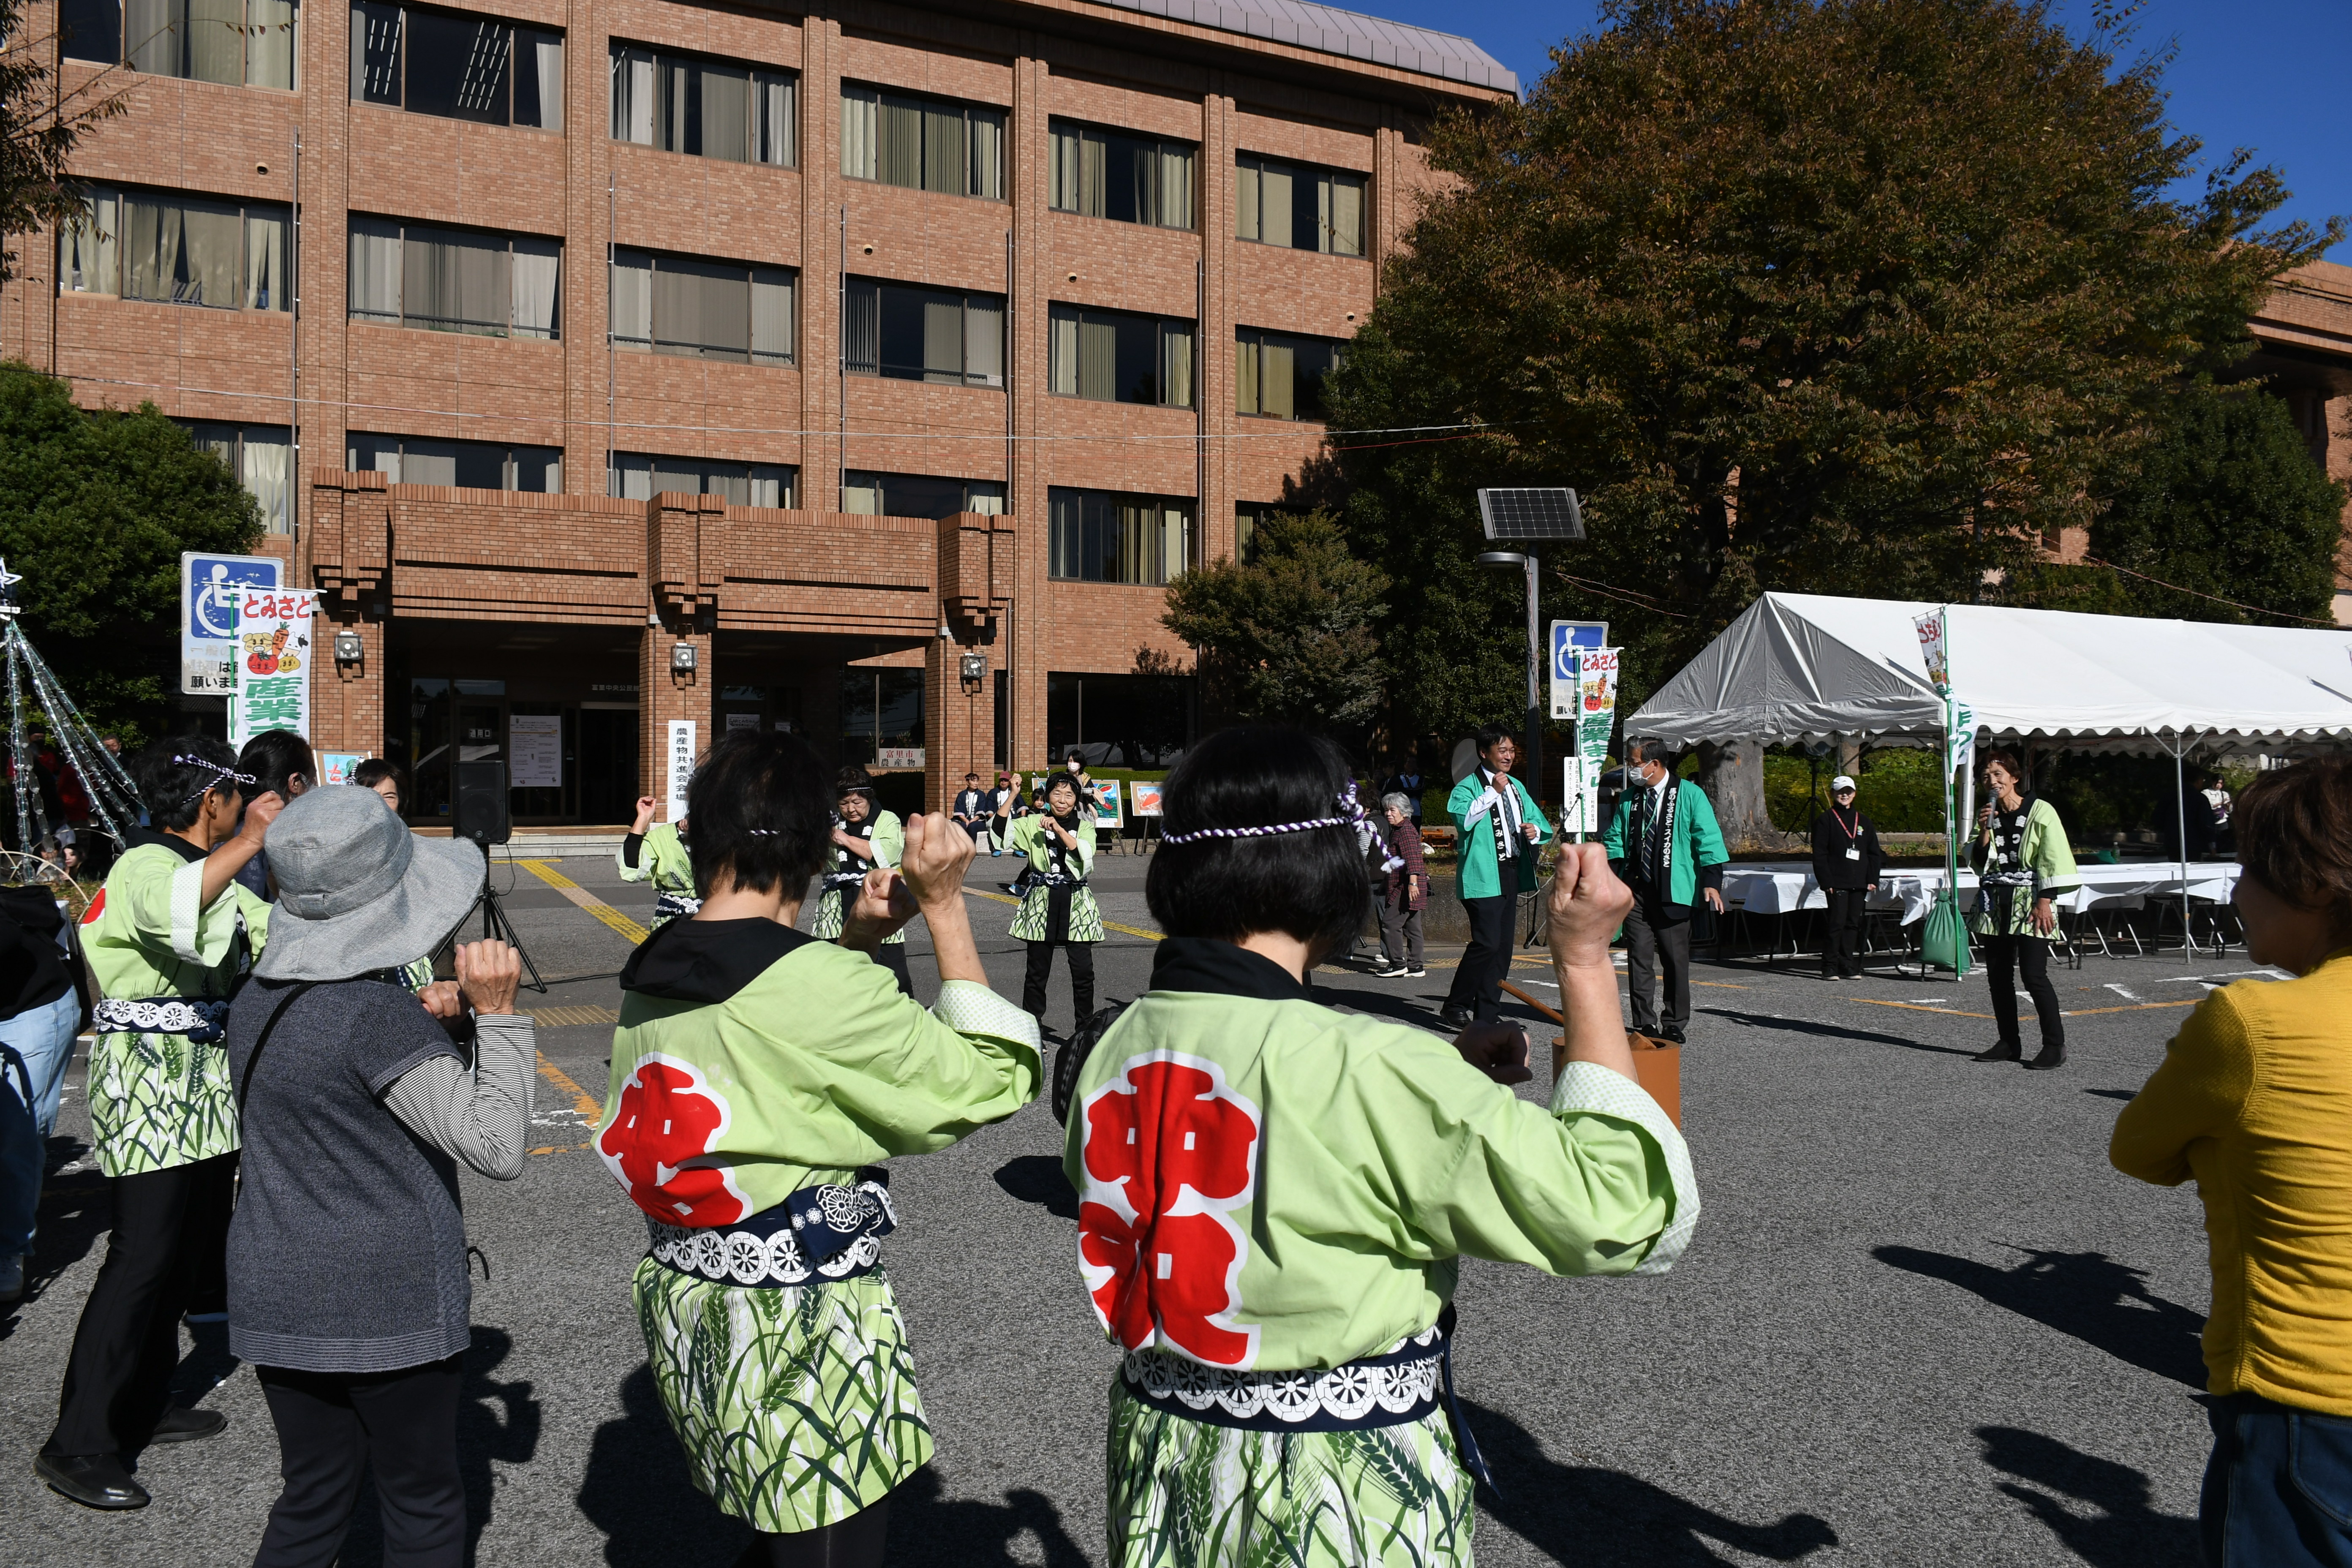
669 1114
1168 1150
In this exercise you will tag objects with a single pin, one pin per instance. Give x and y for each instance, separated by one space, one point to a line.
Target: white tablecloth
1776 888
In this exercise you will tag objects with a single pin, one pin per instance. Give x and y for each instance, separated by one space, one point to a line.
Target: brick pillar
665 694
346 551
959 730
347 700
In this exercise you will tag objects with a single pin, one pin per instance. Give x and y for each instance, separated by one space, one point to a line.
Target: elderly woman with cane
348 1289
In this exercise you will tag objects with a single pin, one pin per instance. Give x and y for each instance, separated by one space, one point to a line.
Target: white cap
1839 783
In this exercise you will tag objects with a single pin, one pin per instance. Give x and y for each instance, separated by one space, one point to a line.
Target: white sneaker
1414 974
11 1280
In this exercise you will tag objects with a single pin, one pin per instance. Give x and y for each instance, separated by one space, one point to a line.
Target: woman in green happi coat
758 1074
656 852
865 837
2022 863
1058 909
1274 1196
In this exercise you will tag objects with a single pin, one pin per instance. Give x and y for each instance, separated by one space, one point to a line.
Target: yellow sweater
2254 1099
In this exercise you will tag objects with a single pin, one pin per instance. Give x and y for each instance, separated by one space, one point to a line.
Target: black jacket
1834 833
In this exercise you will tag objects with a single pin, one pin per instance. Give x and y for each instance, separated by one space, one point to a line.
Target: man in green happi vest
1663 842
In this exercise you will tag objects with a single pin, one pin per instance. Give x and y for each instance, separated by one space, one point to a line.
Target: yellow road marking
585 899
585 1104
2070 1012
569 1017
2135 1007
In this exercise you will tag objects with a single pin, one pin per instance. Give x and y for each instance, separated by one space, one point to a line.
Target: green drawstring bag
1944 942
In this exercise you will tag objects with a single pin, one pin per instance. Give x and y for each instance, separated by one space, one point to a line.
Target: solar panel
1531 515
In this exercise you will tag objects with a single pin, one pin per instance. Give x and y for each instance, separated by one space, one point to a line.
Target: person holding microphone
2022 859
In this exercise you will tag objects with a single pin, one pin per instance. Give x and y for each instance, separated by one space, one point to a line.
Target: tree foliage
1289 637
2225 500
39 130
1839 296
95 509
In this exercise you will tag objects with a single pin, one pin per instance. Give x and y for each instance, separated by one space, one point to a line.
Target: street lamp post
1531 767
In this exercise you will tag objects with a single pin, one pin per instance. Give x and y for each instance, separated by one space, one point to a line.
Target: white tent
1795 667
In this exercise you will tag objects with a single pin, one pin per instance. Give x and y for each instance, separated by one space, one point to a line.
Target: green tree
38 132
95 509
1837 296
1288 638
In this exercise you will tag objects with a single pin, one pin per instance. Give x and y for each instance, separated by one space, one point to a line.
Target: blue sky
2265 74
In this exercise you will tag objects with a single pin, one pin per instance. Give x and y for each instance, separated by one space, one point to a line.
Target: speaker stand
495 924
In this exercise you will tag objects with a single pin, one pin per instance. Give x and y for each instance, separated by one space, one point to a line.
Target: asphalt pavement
1921 1321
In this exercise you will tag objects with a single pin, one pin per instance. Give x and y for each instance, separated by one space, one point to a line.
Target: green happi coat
1268 1185
2040 854
1033 921
663 860
752 1061
890 841
160 1099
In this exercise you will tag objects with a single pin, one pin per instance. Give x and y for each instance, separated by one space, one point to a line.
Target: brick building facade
660 361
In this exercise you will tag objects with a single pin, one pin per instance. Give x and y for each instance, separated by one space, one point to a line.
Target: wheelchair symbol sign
215 584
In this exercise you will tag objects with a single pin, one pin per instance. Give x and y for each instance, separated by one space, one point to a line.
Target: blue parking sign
210 589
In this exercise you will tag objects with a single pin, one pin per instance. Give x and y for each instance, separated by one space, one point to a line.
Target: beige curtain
1175 185
265 262
898 141
92 247
943 338
1176 364
538 266
987 154
375 271
152 34
1341 199
943 148
1246 374
1274 203
776 105
265 475
546 61
771 315
1276 376
861 494
1099 358
1062 371
212 254
633 97
1246 196
983 342
269 52
727 113
860 115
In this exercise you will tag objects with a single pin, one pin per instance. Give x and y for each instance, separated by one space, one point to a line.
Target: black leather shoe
181 1425
2047 1057
2007 1051
1453 1017
93 1480
1674 1035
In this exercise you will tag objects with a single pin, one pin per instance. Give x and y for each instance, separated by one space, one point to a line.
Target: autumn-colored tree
1836 296
1289 637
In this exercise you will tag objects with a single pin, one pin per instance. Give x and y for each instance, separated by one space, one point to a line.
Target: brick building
2303 335
864 370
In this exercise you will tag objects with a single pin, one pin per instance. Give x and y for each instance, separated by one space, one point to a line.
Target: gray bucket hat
356 891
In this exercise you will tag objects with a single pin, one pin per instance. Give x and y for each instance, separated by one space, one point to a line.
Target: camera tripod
495 923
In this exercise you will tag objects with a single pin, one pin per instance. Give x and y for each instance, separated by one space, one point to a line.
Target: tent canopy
1797 668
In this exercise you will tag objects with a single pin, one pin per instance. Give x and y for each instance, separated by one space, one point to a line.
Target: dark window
229 41
1294 205
922 143
1116 357
1113 174
636 477
703 309
1097 536
918 495
453 280
711 109
1280 375
1118 720
880 708
457 65
473 464
912 333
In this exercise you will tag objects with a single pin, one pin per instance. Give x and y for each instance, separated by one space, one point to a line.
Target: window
249 42
256 455
1118 720
912 333
1114 357
879 708
918 495
922 143
636 477
177 250
1247 517
453 280
1109 174
461 67
1280 377
708 108
1302 207
469 465
1099 537
702 309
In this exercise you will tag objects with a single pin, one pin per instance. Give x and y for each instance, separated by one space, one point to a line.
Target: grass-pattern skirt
1184 1494
797 1408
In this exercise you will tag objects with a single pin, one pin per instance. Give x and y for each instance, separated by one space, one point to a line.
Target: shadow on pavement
1586 1515
924 1529
637 1491
1038 1179
2087 1295
2124 1532
75 1214
1833 1032
2124 1094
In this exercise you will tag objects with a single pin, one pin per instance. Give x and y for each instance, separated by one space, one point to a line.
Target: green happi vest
1266 1183
158 1100
662 860
752 1059
1033 921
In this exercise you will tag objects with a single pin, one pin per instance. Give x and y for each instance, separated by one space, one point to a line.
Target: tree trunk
1733 776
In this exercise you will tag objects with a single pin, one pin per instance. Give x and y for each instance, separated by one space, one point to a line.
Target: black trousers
171 1229
1842 928
853 1543
1477 985
332 1427
1658 933
2009 958
1041 968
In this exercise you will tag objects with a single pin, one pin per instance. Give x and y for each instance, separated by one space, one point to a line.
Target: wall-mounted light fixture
681 659
972 668
348 648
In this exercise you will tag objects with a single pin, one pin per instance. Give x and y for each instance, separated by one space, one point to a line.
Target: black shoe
2049 1056
182 1425
2007 1051
93 1480
1674 1035
1453 1017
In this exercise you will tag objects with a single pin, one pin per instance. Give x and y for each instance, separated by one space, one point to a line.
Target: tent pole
2180 816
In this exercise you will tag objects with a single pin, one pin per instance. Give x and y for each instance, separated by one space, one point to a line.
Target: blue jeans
2278 1489
35 1048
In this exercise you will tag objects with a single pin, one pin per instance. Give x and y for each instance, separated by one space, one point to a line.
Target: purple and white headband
1351 814
219 773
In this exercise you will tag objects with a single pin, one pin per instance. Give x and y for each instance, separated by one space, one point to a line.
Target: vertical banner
1594 705
680 765
273 664
1935 649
